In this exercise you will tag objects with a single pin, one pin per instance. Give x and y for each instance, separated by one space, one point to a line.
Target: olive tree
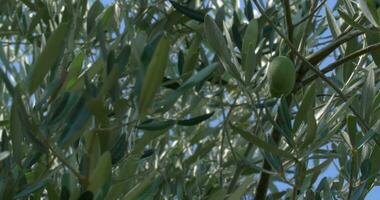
175 99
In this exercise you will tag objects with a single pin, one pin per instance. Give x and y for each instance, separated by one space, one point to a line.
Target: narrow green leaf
319 168
351 129
218 194
102 173
369 10
4 155
261 144
201 151
181 60
218 44
349 67
153 125
334 27
150 192
368 94
29 4
153 76
300 173
86 195
4 123
73 72
17 132
278 195
351 22
236 36
248 11
248 55
371 134
191 82
273 160
195 120
285 121
365 169
95 10
48 57
105 19
76 128
140 188
191 13
191 57
31 188
216 39
374 38
306 106
240 191
375 162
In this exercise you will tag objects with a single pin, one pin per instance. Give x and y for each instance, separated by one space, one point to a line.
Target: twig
347 58
302 71
288 20
82 180
310 14
323 53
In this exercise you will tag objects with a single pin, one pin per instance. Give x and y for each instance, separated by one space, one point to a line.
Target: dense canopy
169 99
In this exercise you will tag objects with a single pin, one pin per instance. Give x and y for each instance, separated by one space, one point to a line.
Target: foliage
145 99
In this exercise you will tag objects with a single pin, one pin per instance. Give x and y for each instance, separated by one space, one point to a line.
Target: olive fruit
281 76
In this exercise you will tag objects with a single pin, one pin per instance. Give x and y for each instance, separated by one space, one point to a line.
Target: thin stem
310 14
347 58
305 32
288 20
82 180
302 70
351 182
238 169
323 53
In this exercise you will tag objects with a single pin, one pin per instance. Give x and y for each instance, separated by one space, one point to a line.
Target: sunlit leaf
262 144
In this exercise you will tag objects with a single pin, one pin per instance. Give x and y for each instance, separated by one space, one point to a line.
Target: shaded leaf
195 120
218 44
154 76
4 155
248 55
152 125
368 94
101 174
140 188
191 82
191 13
73 72
240 191
48 57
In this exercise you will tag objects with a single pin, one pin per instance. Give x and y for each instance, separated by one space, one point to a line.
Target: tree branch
310 14
323 53
347 58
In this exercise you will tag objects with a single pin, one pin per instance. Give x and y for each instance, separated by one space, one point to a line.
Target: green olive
281 76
